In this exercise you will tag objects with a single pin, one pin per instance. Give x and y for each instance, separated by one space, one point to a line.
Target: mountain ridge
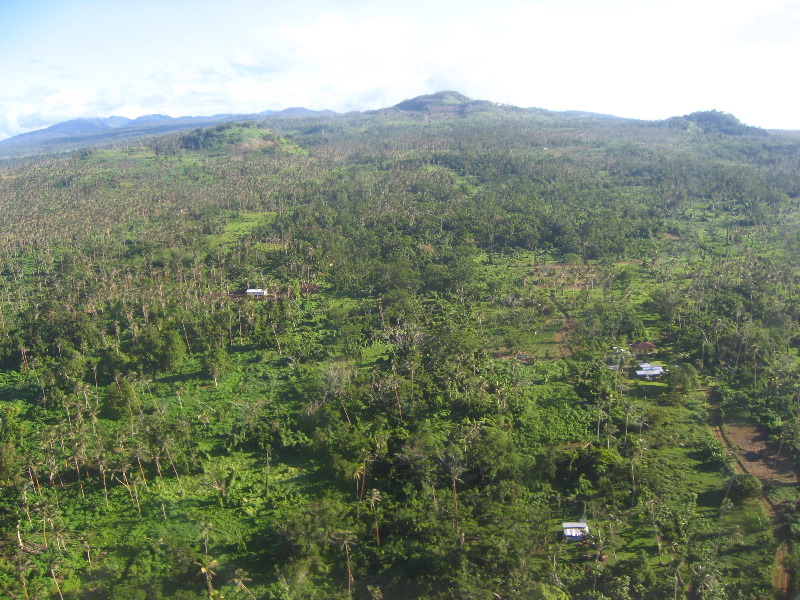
91 131
94 131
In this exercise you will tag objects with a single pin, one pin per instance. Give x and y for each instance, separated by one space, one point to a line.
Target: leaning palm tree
24 564
240 576
55 564
207 566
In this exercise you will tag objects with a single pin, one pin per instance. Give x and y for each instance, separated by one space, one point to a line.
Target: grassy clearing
241 224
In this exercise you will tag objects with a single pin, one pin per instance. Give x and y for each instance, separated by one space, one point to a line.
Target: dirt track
563 335
754 455
567 329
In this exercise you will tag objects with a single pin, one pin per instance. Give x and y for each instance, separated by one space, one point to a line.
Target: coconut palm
207 566
374 498
240 577
346 539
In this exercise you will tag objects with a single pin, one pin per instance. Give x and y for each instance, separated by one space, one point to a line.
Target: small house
255 292
575 532
643 349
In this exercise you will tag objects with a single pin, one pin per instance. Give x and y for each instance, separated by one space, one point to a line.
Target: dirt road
753 454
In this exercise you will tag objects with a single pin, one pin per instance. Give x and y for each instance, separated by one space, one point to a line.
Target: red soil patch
760 456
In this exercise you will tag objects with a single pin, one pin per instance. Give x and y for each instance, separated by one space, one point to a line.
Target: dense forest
388 354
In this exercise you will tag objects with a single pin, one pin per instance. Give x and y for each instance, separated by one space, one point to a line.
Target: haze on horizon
65 59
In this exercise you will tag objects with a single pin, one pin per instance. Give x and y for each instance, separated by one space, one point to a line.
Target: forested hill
95 132
386 355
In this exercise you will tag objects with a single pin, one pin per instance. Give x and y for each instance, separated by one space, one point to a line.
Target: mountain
89 132
443 102
297 112
152 119
437 101
92 132
77 127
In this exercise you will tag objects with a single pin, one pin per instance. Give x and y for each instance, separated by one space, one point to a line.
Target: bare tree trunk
55 580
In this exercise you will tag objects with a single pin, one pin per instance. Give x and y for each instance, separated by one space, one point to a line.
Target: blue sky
647 59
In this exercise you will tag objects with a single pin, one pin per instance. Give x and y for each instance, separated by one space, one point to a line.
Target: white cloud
775 25
331 62
635 59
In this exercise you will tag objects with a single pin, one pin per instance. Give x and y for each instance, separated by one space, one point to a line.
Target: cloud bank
640 60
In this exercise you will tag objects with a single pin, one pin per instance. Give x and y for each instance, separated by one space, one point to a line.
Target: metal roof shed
575 532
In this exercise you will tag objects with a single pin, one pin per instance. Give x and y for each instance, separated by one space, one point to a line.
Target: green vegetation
437 375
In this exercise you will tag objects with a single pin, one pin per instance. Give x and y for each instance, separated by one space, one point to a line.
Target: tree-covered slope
436 376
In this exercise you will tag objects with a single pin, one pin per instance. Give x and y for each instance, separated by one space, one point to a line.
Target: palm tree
374 498
456 468
24 565
102 464
78 454
55 563
205 533
347 539
24 497
240 576
129 485
141 452
49 513
207 566
94 412
166 443
33 475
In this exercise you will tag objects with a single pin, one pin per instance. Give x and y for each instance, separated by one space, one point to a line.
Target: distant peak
438 101
152 118
714 121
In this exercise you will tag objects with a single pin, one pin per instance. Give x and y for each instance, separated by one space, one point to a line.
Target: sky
642 59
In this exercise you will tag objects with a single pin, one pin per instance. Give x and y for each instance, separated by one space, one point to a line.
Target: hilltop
447 101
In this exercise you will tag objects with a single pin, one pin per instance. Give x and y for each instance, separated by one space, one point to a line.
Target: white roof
651 370
575 533
581 526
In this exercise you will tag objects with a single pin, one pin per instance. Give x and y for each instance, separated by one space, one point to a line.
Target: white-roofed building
575 532
648 371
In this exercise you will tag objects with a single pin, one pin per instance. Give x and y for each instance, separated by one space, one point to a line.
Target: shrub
744 486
